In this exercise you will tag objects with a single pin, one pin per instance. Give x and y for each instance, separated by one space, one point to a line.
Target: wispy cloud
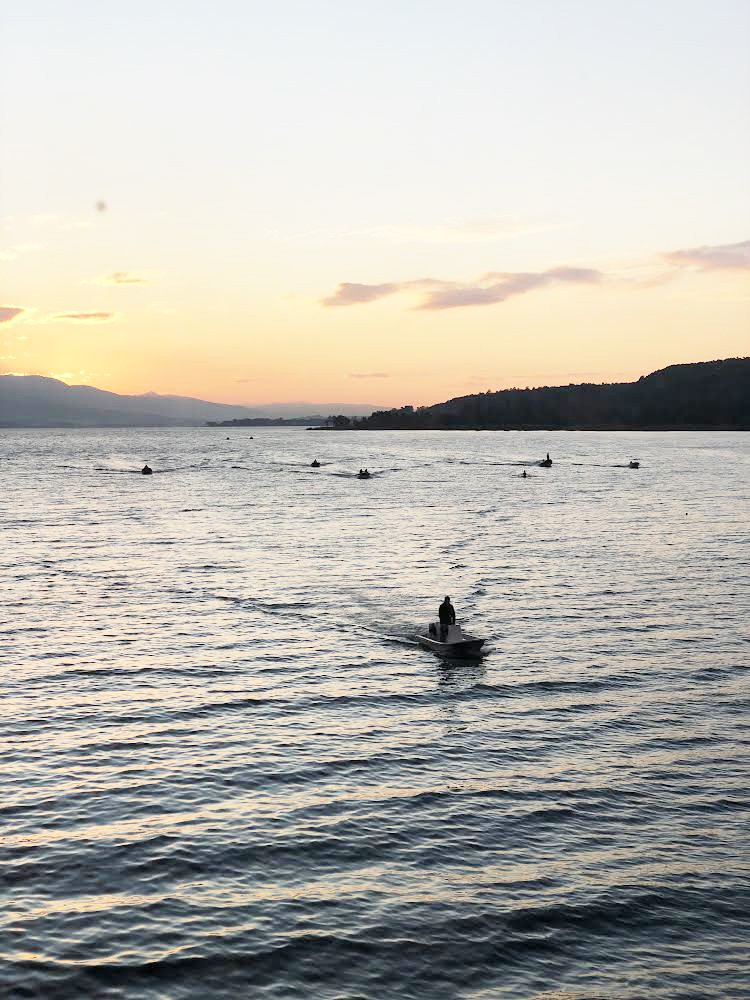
350 293
82 317
488 290
121 278
505 285
64 376
17 251
32 316
498 286
9 313
712 258
369 375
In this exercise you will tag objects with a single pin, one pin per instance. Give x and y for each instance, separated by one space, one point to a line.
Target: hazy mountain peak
41 401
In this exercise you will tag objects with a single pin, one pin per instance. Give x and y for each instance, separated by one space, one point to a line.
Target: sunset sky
388 202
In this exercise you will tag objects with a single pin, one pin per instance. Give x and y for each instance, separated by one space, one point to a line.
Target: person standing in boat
447 616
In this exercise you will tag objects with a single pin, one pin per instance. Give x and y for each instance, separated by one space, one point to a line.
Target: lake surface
228 771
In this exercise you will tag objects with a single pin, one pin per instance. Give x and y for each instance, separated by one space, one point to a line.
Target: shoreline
547 429
530 429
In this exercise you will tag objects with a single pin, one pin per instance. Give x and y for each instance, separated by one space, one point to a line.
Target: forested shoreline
711 395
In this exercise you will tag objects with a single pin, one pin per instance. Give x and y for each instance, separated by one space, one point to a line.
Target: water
228 771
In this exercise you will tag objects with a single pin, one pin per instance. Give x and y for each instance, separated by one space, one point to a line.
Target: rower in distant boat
315 464
147 470
363 474
634 465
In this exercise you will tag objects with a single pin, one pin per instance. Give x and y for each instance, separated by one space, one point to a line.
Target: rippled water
228 771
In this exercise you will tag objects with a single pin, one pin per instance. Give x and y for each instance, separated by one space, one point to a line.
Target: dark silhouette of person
146 470
523 474
447 616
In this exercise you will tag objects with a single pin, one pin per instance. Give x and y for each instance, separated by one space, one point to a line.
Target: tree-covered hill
710 394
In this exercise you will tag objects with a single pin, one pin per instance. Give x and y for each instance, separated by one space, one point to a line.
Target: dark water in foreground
227 771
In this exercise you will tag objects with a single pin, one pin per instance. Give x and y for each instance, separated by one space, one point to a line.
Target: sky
381 202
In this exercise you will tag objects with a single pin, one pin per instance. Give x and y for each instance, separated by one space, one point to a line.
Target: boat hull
466 647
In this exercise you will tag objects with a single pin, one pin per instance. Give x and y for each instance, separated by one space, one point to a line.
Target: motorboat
449 640
634 465
546 463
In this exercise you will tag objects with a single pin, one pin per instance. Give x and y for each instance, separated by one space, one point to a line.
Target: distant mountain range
36 401
705 395
702 396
